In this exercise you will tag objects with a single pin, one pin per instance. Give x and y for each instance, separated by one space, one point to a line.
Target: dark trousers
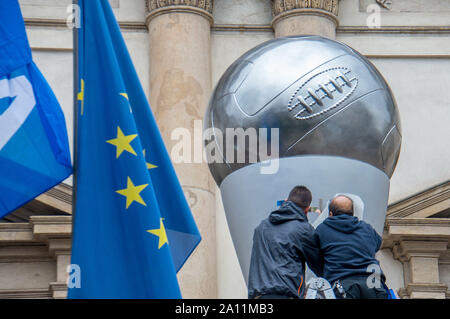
356 287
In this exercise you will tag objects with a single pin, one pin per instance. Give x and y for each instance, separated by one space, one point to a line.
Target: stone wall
34 257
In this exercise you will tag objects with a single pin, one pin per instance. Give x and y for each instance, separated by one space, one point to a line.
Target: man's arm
377 239
311 251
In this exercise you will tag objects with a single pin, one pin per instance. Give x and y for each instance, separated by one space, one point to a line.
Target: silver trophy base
249 196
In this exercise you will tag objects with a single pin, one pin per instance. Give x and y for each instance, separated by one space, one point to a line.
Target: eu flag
34 149
133 227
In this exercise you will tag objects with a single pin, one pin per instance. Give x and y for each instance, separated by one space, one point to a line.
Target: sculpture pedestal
250 196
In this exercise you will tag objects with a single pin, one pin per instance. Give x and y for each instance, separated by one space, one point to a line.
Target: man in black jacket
281 245
348 247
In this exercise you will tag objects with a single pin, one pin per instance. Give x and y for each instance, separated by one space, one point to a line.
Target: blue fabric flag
133 227
34 148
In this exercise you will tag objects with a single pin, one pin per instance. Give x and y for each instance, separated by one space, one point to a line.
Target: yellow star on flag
125 95
122 142
132 193
80 96
161 233
149 166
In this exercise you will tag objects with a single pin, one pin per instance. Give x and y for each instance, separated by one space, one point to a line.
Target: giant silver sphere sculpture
328 112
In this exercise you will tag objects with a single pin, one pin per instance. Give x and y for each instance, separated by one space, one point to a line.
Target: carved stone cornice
157 7
419 229
62 23
423 291
58 197
206 5
40 293
49 227
281 6
423 204
286 8
405 249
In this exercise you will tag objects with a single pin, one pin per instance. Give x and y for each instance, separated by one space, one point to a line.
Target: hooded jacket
348 246
281 245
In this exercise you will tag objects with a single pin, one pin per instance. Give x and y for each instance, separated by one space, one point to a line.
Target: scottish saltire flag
133 227
34 149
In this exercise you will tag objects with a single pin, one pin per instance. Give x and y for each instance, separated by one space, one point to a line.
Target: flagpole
75 108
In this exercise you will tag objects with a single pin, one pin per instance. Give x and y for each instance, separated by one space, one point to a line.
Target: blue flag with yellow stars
133 229
34 148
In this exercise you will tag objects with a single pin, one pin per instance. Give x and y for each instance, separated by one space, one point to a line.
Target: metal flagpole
76 11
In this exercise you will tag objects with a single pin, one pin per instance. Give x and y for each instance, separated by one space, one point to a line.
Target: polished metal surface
325 98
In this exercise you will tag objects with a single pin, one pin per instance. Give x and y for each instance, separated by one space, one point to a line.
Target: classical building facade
180 49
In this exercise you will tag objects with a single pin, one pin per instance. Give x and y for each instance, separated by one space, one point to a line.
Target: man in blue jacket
348 247
282 243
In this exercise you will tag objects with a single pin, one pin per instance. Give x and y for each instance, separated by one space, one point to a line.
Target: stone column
56 231
419 244
421 268
180 87
60 248
297 17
